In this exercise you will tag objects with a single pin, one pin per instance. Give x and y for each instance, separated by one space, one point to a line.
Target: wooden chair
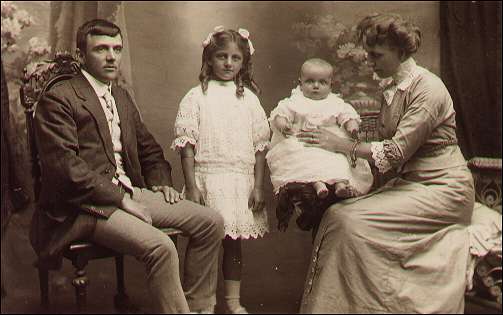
79 252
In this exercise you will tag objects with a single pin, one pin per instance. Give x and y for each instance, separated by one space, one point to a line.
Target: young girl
222 133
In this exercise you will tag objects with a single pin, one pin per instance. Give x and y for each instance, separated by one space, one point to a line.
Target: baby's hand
283 125
352 128
287 130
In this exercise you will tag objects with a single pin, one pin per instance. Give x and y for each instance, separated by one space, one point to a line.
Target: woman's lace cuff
386 155
181 142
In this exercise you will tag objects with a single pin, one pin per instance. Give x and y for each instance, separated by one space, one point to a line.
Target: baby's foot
342 190
321 189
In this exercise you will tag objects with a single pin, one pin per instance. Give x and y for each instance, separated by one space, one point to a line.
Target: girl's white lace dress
290 161
226 132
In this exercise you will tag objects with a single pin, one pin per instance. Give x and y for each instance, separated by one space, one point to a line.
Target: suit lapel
91 102
122 109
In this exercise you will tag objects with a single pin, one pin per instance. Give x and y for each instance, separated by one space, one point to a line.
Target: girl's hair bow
243 32
216 30
246 35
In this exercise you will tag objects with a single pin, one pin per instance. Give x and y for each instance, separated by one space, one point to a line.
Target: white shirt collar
99 87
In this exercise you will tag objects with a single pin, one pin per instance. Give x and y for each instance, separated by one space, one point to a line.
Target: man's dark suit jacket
78 164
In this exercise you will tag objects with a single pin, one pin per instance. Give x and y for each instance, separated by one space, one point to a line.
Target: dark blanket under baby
312 207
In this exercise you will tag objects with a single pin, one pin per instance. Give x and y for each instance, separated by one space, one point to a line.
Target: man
97 159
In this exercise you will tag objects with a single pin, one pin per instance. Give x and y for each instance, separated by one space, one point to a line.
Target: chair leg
80 283
119 271
121 300
43 276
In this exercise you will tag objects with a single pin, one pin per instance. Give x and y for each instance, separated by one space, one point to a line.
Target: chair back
368 127
34 84
487 179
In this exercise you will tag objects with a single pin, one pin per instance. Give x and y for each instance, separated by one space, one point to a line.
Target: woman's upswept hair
391 29
245 76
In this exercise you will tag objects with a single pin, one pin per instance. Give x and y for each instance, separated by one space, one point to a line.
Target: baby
312 105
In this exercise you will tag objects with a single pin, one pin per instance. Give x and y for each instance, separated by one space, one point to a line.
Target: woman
404 247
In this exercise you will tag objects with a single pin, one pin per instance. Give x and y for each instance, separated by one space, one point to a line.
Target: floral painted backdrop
23 42
18 49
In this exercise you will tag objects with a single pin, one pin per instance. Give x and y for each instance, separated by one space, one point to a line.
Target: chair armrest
487 178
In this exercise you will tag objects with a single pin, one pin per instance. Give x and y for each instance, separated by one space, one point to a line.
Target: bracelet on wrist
352 153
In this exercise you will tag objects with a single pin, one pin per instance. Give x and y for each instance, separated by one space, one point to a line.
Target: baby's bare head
316 78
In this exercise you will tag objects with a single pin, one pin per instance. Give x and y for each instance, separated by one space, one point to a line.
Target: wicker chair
79 252
487 276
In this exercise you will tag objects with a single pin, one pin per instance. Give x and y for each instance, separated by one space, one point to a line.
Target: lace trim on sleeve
261 134
386 155
262 146
180 142
261 129
186 123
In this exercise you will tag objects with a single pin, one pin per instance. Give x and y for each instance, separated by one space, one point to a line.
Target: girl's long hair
245 76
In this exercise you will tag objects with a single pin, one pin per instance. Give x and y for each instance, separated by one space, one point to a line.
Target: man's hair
316 62
95 27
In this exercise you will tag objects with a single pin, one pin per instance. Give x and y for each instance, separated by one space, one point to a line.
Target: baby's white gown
290 161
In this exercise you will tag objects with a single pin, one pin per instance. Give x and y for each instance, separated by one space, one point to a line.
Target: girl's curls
390 29
218 40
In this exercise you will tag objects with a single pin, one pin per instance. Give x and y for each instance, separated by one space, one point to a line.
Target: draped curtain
471 69
67 16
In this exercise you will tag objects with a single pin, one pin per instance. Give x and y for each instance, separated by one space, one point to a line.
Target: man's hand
256 202
194 194
170 194
135 208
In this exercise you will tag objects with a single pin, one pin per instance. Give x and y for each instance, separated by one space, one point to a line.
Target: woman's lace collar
407 72
401 80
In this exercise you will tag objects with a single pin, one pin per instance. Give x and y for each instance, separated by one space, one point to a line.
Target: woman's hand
324 139
256 202
195 195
